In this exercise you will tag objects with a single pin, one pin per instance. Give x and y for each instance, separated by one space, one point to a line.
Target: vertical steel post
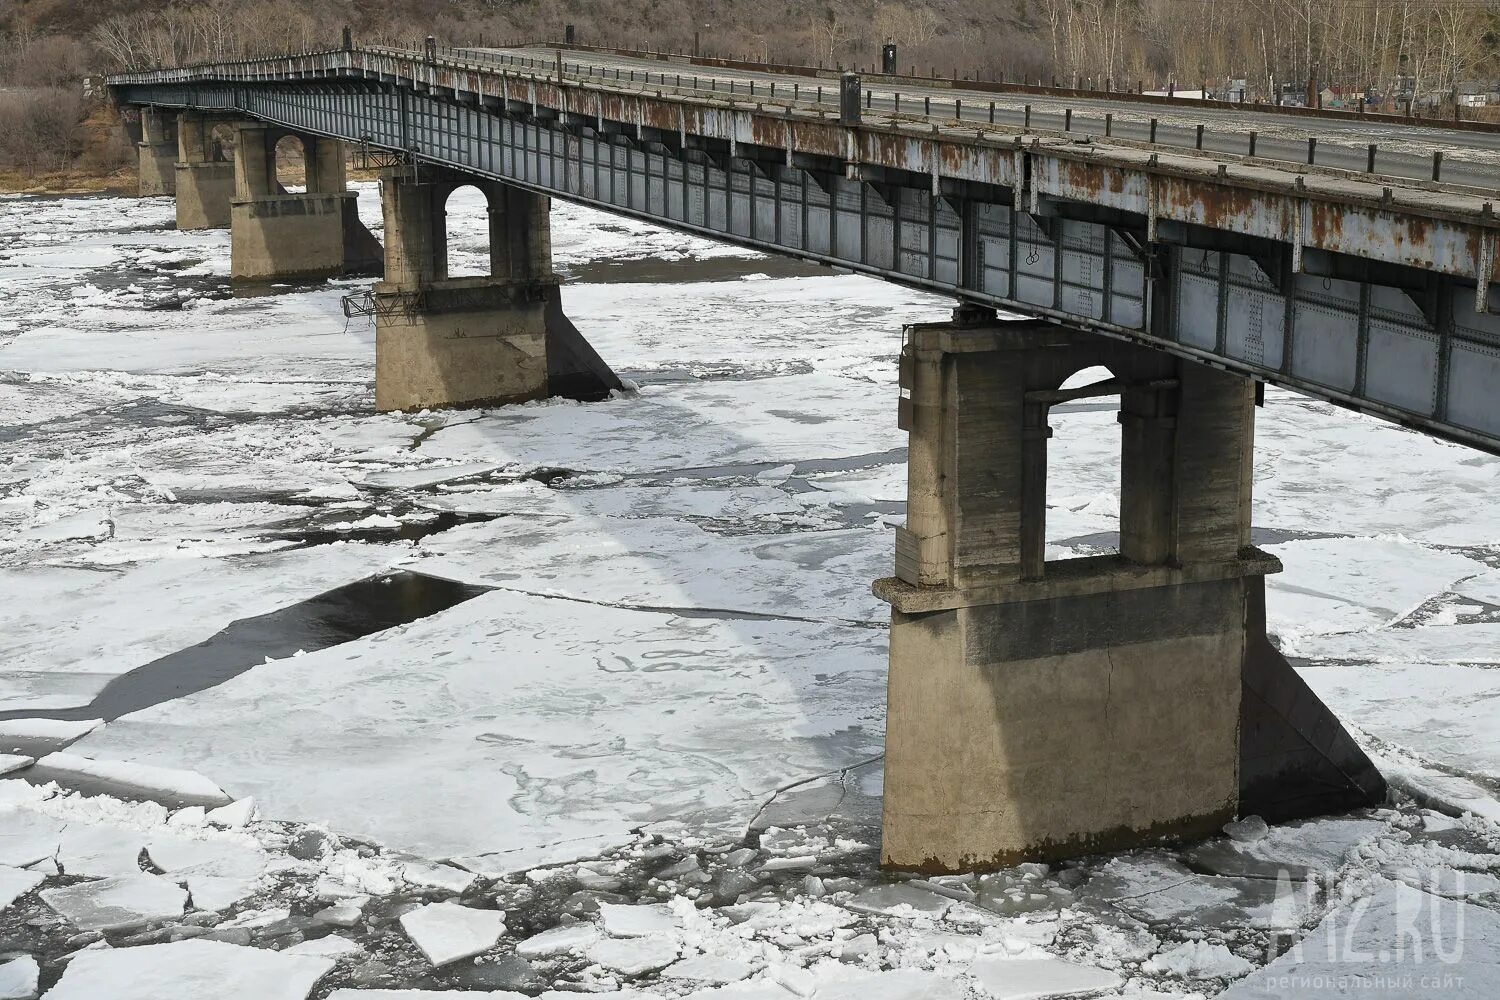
849 103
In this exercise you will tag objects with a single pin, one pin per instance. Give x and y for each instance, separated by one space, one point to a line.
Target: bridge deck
1404 149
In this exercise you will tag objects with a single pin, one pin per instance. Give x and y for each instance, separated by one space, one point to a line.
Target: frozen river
638 625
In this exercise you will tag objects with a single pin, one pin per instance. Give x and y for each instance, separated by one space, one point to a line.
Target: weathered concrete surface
204 192
1062 726
464 341
289 236
473 341
156 154
204 179
1039 710
276 235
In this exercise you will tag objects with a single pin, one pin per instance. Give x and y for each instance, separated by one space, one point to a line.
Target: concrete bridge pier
204 177
496 338
1041 709
157 153
315 233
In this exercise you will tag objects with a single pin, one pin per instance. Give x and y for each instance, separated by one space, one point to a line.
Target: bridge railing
1438 164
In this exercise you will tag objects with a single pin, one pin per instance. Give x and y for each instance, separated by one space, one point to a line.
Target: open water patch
341 615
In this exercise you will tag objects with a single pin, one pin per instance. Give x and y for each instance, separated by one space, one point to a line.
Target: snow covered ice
653 740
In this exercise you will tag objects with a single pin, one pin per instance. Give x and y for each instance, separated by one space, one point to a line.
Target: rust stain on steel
1429 244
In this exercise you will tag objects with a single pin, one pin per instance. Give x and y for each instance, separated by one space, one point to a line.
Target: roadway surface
1471 159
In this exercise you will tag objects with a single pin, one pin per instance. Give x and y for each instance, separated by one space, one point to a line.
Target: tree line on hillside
1420 51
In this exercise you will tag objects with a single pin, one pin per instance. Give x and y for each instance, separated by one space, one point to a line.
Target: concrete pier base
204 192
204 177
463 341
314 234
1046 709
156 154
473 341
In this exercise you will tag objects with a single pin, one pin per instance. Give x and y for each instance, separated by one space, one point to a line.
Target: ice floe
447 932
189 970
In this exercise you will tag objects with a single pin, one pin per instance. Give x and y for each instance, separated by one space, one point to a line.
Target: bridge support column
499 338
157 152
1044 709
205 179
313 234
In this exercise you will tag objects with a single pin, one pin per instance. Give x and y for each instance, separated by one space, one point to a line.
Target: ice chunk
173 854
430 475
759 989
633 956
437 876
502 863
218 892
48 733
117 903
565 940
100 850
348 994
189 970
902 984
446 932
338 916
17 882
709 969
1197 960
331 946
636 921
896 897
27 837
10 762
233 816
189 818
1298 849
1247 830
18 979
1036 978
127 779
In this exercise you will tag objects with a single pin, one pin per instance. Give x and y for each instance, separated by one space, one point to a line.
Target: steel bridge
1372 292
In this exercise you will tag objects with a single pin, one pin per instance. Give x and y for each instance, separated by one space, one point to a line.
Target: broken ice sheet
1387 944
123 778
16 882
1038 978
100 850
634 956
900 984
437 876
27 837
219 856
565 940
711 969
18 978
447 932
621 920
898 897
114 904
1297 849
189 970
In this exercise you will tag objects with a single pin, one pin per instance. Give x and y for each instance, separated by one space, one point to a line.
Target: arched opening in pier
467 227
291 164
220 143
1083 467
